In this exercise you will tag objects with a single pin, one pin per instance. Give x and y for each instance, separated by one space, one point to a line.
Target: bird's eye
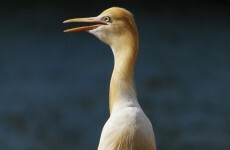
107 19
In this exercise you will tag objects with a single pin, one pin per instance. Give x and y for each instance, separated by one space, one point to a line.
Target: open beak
96 21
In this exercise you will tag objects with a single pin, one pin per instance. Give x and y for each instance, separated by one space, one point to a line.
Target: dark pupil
106 18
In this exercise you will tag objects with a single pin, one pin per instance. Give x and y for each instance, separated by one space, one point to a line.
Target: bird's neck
122 84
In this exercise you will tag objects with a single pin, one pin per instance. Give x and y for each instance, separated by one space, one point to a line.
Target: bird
128 127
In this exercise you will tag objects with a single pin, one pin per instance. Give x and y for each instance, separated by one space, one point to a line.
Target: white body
129 125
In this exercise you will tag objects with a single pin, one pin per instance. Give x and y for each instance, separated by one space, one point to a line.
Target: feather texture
128 128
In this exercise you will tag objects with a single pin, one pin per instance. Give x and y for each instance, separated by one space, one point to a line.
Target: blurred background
54 86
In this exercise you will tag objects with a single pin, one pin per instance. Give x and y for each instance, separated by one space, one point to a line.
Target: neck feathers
122 85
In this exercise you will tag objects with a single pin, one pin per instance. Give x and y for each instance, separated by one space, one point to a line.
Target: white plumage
128 128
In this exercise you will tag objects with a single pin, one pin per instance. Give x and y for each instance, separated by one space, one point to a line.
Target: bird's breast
127 129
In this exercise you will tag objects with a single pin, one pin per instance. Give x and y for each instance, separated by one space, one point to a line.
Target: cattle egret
128 128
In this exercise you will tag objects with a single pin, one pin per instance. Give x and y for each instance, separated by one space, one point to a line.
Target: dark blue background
54 86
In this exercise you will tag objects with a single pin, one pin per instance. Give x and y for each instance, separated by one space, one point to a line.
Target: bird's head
111 26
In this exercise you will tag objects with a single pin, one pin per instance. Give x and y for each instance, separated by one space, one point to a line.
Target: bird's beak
95 20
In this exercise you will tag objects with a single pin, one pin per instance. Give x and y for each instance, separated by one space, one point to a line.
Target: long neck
122 84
